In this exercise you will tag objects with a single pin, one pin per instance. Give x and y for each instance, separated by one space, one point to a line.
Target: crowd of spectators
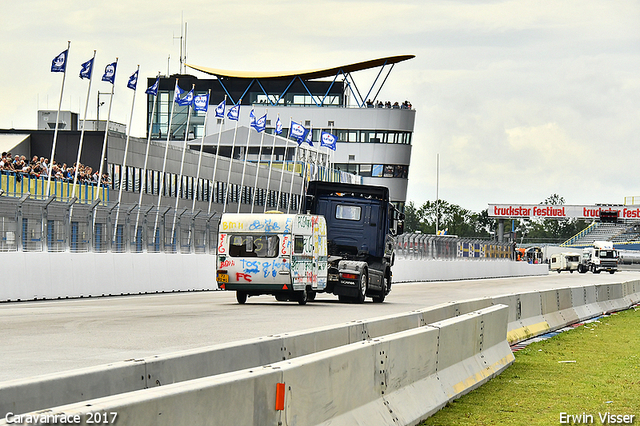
387 104
39 167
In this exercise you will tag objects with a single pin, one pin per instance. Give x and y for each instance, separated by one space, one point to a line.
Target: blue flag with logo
153 89
297 132
186 100
59 63
309 137
133 81
252 119
87 69
178 93
201 102
110 73
261 123
220 109
328 140
278 126
234 112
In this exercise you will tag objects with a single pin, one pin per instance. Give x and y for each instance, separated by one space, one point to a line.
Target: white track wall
48 275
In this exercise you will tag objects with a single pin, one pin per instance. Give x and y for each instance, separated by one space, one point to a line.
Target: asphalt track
51 336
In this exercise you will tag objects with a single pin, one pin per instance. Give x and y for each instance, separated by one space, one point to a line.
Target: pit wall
396 369
47 275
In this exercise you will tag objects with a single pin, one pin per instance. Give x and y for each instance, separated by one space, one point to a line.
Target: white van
564 262
284 255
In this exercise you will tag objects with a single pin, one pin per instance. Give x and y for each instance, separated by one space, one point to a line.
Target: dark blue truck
361 227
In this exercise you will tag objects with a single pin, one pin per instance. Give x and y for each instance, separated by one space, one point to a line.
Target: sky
519 100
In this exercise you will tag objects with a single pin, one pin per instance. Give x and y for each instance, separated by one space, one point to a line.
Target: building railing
443 247
18 184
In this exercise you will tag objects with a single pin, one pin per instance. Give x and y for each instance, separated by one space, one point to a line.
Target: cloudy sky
520 99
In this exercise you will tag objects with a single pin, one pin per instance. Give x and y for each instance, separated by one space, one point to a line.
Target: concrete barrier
72 275
387 380
527 314
405 270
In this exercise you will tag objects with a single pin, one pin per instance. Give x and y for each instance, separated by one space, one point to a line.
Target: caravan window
253 245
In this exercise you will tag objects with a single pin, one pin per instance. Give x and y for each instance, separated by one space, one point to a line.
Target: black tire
241 297
383 292
303 296
612 272
311 296
362 287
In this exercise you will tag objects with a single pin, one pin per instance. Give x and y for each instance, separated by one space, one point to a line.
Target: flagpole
124 160
295 161
215 163
273 149
284 163
55 132
233 147
304 178
255 186
84 121
244 165
179 186
164 166
143 178
106 133
204 133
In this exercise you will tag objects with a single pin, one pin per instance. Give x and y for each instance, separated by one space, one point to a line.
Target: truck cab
362 225
601 257
283 255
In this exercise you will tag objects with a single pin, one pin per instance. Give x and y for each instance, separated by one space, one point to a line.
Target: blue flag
110 73
252 119
178 93
261 123
234 112
186 100
328 140
133 81
59 63
153 90
297 132
278 126
220 109
87 69
201 102
309 137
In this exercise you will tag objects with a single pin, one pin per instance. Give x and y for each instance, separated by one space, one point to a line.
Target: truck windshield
253 245
608 254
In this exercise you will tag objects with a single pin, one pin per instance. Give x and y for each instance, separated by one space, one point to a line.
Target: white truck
284 255
564 262
601 257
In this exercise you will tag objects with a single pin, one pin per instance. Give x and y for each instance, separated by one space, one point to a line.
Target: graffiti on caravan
543 211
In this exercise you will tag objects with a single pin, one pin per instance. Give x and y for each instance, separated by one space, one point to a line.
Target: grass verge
593 369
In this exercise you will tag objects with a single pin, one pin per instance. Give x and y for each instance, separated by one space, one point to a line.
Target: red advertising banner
541 211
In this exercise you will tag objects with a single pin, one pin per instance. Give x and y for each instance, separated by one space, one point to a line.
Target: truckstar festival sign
542 211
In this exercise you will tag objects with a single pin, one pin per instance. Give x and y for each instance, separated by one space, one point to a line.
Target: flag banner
261 124
153 90
201 102
309 137
87 69
133 81
110 73
328 140
59 63
234 112
220 109
178 93
298 132
252 119
186 100
278 126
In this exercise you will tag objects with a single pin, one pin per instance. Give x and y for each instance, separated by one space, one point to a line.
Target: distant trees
465 223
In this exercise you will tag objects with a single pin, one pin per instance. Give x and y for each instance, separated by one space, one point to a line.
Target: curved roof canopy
305 75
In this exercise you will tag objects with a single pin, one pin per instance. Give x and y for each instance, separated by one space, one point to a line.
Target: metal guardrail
441 247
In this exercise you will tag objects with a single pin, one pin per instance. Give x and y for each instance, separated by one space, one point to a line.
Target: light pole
98 108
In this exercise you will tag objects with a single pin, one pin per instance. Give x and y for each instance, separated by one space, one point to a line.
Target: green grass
605 377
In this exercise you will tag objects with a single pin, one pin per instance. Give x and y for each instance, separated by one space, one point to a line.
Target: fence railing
17 184
443 247
47 225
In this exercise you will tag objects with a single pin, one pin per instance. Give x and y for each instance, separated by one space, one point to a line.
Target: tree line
462 222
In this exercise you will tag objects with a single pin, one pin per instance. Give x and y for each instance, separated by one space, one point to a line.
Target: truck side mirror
400 226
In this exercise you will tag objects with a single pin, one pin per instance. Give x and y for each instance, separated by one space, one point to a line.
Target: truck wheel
612 272
362 289
383 292
303 296
241 296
